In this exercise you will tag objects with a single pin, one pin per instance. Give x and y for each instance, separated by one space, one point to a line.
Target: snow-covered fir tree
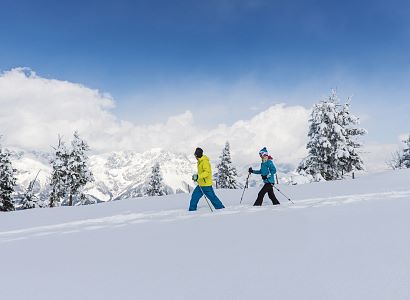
30 199
332 145
156 185
70 173
59 175
323 140
7 181
406 153
350 160
226 175
79 171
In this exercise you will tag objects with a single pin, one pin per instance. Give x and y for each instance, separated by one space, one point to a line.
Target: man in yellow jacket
204 180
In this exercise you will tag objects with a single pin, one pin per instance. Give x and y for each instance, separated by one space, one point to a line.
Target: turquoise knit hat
263 152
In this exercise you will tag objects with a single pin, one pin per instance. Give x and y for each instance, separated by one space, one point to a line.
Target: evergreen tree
350 160
70 172
30 200
406 153
79 172
226 175
7 181
155 185
323 139
333 149
60 175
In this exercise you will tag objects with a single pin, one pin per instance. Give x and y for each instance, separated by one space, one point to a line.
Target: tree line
70 173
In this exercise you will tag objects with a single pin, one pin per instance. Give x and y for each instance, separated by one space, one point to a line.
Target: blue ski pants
209 193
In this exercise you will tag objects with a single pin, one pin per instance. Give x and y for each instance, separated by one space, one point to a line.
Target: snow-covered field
340 240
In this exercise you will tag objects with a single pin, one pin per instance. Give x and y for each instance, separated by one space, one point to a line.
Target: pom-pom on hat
198 152
263 152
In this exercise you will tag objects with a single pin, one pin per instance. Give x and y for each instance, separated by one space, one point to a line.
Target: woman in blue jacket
267 172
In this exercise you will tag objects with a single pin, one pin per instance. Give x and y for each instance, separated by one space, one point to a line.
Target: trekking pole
246 185
282 194
206 198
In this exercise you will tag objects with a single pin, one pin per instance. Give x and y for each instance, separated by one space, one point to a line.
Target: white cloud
282 129
34 110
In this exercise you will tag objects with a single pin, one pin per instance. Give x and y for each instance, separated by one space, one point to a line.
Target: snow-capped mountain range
125 174
118 175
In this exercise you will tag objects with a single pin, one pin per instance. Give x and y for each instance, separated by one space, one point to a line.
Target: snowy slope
341 240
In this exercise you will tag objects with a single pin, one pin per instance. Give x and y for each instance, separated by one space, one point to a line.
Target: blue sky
160 58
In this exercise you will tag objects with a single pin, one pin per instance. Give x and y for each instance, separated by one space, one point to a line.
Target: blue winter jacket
268 169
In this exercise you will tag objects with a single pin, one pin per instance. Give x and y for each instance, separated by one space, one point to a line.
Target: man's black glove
264 177
250 170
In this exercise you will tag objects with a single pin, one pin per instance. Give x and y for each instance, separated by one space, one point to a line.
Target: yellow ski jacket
204 171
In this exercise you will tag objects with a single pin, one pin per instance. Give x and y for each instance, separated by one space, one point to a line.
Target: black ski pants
267 188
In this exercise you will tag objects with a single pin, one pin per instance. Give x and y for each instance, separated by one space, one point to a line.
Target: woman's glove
264 177
195 177
250 170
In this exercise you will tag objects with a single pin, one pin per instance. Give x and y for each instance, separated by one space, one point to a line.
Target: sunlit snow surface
340 240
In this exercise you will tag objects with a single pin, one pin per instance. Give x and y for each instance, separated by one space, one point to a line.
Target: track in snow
128 219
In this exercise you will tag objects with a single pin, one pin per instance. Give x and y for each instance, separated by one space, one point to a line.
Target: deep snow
341 240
